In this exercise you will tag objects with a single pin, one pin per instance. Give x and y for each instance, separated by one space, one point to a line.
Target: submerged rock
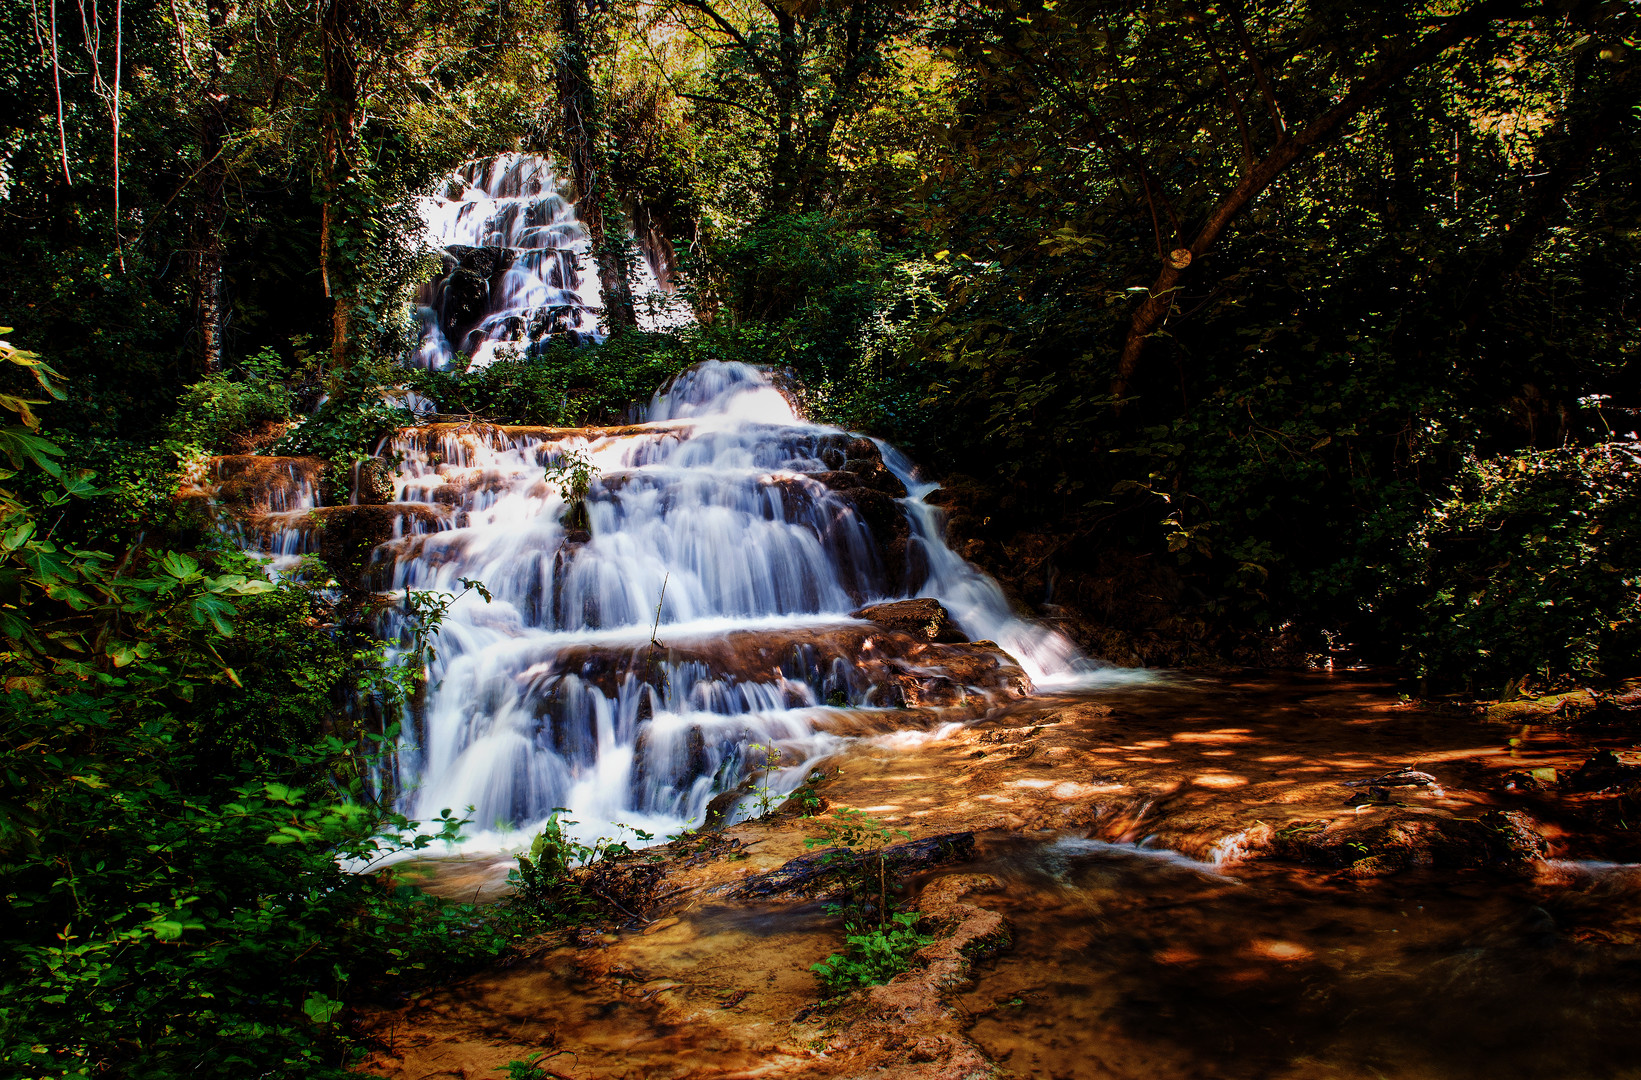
1405 839
825 871
1603 771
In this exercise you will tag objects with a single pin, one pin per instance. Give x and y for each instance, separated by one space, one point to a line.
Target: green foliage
854 829
879 941
1386 309
874 956
811 294
808 282
544 881
558 384
771 756
1530 566
361 409
573 473
217 409
528 1069
183 813
549 883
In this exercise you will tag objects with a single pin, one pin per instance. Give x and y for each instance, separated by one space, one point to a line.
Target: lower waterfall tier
518 728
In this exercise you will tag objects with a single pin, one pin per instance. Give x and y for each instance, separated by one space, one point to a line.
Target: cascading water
624 671
638 659
517 266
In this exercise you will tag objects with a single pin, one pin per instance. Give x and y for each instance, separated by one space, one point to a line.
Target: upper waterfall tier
518 268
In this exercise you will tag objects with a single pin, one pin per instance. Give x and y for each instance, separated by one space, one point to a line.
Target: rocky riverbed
1170 878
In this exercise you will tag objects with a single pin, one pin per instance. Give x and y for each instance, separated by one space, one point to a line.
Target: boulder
924 618
464 296
373 483
1401 840
1543 710
1603 771
483 262
348 535
858 665
254 484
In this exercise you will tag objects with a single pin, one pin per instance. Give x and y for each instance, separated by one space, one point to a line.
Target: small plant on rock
771 761
573 472
550 883
529 1069
879 942
873 957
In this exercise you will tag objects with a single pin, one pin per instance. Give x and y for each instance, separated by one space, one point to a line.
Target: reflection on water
1128 965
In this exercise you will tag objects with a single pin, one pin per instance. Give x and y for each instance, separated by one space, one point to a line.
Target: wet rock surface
1406 839
846 664
252 484
819 874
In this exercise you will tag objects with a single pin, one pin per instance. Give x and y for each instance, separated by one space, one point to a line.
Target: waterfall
728 530
701 611
518 269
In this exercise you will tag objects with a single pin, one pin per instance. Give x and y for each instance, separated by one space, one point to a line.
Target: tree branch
1154 310
1545 202
1265 91
736 36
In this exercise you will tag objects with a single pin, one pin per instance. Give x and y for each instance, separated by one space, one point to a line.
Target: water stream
518 270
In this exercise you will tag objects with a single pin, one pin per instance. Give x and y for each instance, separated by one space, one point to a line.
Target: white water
709 528
535 701
546 283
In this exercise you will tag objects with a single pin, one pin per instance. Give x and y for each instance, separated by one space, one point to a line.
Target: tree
797 71
596 201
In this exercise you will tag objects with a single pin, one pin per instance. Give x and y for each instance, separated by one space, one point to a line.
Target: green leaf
321 1009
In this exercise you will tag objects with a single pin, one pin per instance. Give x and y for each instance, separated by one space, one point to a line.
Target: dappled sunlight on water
1127 965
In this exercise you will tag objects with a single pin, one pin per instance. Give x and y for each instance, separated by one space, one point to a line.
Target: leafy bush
560 384
1530 566
548 884
873 956
809 293
362 409
544 883
173 834
219 409
879 942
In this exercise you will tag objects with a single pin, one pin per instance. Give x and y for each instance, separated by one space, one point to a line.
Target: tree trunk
340 55
596 204
211 211
788 79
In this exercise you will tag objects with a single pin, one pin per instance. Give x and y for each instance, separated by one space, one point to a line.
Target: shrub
873 956
177 898
550 884
559 384
360 411
1530 566
219 409
879 942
